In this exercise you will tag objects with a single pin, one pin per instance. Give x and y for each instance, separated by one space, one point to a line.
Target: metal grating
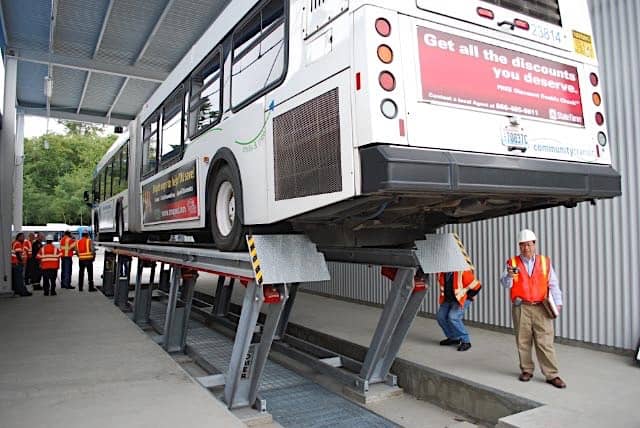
545 10
307 148
293 400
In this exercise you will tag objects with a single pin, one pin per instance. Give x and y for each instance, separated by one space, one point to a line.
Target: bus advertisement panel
171 198
466 72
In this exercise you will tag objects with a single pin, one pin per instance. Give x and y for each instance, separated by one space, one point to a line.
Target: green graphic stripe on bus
262 130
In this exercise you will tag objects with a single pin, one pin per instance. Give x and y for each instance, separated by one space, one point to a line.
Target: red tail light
387 81
521 24
383 27
485 13
593 78
599 118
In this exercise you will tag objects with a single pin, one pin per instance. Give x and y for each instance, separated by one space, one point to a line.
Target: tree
81 128
56 178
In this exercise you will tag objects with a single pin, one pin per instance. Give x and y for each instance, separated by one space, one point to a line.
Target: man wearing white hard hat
531 278
49 257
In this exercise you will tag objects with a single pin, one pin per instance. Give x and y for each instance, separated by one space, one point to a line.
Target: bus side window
205 105
259 49
150 146
172 128
124 172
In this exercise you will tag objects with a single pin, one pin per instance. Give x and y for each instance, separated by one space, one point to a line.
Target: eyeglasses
527 244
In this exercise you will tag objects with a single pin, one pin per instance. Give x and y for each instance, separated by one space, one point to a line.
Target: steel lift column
143 293
438 253
176 319
109 273
222 299
123 273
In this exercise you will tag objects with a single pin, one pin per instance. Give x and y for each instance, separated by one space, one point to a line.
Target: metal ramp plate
442 252
285 259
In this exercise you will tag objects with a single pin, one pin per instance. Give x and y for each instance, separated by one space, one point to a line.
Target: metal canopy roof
105 57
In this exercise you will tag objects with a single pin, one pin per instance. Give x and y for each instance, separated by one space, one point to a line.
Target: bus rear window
544 10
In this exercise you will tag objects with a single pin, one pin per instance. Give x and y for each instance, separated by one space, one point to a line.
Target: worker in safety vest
49 257
17 266
67 246
36 274
86 254
32 246
531 279
457 290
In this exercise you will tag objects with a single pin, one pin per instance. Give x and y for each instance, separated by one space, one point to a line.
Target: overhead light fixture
48 86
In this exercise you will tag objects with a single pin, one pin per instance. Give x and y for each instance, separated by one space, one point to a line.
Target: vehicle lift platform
271 271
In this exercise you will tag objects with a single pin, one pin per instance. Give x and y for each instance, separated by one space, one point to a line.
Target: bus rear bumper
398 169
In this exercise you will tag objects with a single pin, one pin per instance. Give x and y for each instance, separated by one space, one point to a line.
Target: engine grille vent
307 148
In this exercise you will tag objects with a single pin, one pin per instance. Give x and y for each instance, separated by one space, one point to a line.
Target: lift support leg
399 312
143 294
248 360
123 273
223 297
176 320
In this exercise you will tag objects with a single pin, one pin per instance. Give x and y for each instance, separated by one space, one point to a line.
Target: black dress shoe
46 294
26 294
464 346
557 382
71 288
92 289
447 342
53 293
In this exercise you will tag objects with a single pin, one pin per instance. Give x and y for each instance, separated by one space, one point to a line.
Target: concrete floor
603 388
75 360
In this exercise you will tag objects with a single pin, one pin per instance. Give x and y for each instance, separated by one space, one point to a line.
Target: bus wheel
226 227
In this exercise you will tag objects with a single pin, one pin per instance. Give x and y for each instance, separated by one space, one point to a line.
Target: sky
34 126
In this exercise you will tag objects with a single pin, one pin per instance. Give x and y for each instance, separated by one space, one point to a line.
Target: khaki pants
533 326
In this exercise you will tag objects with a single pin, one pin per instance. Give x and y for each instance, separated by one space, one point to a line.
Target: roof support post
18 177
7 168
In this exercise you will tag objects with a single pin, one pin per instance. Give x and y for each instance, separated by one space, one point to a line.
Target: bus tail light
358 81
485 13
593 78
387 81
597 100
521 24
388 108
383 27
599 118
385 54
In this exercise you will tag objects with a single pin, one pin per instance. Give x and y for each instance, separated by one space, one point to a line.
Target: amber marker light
385 54
597 100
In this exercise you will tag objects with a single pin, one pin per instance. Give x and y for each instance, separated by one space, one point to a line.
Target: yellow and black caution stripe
255 261
463 250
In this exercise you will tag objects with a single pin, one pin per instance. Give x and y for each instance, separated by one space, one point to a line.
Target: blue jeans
65 275
450 319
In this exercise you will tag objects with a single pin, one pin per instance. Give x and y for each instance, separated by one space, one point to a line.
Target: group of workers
532 281
33 262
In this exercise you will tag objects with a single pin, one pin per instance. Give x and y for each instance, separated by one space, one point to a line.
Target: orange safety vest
16 247
67 244
28 249
532 288
49 257
83 246
461 284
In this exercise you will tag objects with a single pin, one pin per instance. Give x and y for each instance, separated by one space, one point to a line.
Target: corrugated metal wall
594 249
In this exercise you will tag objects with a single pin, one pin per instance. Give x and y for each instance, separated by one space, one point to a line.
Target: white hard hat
49 238
526 235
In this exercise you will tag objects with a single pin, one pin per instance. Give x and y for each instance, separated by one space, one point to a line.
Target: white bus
368 123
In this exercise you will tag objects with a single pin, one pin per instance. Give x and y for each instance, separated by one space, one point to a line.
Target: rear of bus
480 108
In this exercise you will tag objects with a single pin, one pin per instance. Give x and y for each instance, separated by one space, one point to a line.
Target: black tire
225 206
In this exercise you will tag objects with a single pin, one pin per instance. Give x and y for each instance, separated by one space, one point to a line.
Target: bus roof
120 141
221 26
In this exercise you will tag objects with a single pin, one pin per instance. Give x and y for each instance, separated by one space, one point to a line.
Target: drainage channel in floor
292 400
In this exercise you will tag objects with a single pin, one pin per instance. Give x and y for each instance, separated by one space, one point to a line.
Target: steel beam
96 66
70 115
